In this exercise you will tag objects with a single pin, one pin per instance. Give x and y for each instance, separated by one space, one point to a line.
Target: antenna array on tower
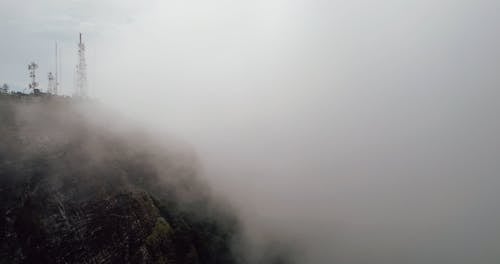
32 72
52 87
81 71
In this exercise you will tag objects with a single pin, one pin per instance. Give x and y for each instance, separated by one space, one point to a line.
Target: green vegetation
79 189
160 233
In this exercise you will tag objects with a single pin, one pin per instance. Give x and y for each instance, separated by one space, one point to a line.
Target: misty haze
255 132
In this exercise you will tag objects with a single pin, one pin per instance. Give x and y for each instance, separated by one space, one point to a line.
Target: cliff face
80 189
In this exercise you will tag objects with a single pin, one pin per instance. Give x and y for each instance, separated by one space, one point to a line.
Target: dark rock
74 190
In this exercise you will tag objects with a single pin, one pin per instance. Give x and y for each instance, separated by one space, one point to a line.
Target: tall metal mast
32 71
51 87
53 81
81 71
56 83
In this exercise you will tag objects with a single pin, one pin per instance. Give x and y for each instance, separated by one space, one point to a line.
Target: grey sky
365 131
30 29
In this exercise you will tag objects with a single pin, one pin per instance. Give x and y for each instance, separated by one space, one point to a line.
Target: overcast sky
31 28
366 131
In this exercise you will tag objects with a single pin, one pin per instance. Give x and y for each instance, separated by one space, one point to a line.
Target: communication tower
54 78
55 88
51 88
81 71
32 71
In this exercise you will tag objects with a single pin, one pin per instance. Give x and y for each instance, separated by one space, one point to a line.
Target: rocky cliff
79 185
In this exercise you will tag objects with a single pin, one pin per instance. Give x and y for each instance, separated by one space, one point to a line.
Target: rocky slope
77 185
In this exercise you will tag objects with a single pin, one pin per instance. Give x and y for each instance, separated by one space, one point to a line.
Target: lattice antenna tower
81 71
53 80
32 71
51 88
55 88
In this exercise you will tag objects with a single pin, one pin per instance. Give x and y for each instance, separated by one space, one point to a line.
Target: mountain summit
79 185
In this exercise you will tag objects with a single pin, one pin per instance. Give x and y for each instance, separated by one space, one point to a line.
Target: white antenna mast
56 84
51 86
32 71
59 72
53 78
81 71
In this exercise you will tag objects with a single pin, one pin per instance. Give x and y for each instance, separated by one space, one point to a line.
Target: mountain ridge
80 186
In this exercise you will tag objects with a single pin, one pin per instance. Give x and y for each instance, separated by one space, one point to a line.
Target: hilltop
80 185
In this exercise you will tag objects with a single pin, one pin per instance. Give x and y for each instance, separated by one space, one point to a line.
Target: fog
357 132
350 131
